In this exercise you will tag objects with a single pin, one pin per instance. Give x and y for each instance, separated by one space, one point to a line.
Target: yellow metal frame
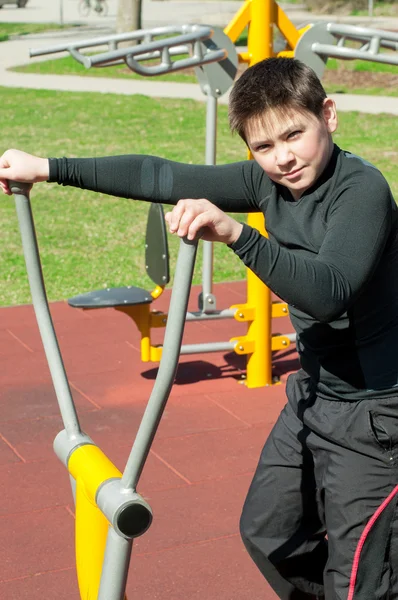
90 468
260 16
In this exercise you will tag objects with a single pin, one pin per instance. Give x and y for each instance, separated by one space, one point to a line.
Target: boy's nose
283 156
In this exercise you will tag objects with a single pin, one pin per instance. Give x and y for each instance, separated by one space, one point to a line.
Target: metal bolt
210 300
284 309
241 315
164 320
240 348
284 343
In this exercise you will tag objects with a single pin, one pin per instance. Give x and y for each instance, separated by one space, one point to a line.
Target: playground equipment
213 55
109 511
214 58
325 40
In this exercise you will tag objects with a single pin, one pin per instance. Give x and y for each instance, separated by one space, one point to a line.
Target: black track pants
327 468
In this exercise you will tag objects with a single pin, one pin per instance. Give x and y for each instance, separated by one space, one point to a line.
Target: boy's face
293 147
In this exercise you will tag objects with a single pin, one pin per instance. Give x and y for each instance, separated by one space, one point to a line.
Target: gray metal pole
208 300
61 12
40 305
168 364
115 567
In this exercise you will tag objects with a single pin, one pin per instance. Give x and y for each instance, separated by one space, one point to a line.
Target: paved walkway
160 12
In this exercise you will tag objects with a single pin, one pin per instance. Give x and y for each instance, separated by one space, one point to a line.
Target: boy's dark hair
274 83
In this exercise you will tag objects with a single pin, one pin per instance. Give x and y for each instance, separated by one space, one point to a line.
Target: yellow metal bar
280 342
156 353
91 528
243 345
158 291
238 22
286 27
279 309
286 54
259 364
260 39
141 316
244 312
89 466
244 57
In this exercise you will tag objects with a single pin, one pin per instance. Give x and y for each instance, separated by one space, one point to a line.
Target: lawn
92 241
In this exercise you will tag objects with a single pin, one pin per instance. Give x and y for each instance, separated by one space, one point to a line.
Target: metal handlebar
189 39
324 40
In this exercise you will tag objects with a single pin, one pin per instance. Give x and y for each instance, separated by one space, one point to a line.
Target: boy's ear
330 115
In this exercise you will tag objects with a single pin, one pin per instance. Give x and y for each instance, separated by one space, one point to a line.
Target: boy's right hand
16 165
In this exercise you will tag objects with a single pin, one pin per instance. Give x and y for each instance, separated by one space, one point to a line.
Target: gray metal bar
207 347
115 567
146 35
351 53
355 32
208 300
168 364
227 313
41 308
165 48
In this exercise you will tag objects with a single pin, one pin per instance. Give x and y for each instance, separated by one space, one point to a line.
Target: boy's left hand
192 217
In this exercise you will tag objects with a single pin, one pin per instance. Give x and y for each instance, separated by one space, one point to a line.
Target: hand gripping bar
189 38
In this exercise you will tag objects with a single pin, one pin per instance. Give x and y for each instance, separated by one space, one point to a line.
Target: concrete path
156 12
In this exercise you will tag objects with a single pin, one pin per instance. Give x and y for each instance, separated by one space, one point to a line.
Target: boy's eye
262 147
294 134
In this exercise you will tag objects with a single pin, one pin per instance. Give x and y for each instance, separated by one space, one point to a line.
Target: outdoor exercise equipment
109 511
325 40
213 55
134 301
172 48
215 60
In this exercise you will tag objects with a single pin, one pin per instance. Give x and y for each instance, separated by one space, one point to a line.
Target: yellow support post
261 16
259 362
260 40
89 466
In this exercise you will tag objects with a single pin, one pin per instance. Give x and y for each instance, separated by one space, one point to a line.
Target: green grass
8 30
92 241
362 65
68 66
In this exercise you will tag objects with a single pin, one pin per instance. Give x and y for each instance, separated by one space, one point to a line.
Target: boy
320 516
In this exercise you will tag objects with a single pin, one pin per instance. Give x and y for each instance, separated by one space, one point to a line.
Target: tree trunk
129 16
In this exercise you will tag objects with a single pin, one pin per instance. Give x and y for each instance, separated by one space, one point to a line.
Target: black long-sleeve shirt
332 255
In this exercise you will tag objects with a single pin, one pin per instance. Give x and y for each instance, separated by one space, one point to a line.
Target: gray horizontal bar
351 53
206 348
227 313
356 32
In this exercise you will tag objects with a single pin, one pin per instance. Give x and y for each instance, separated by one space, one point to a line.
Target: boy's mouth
293 174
